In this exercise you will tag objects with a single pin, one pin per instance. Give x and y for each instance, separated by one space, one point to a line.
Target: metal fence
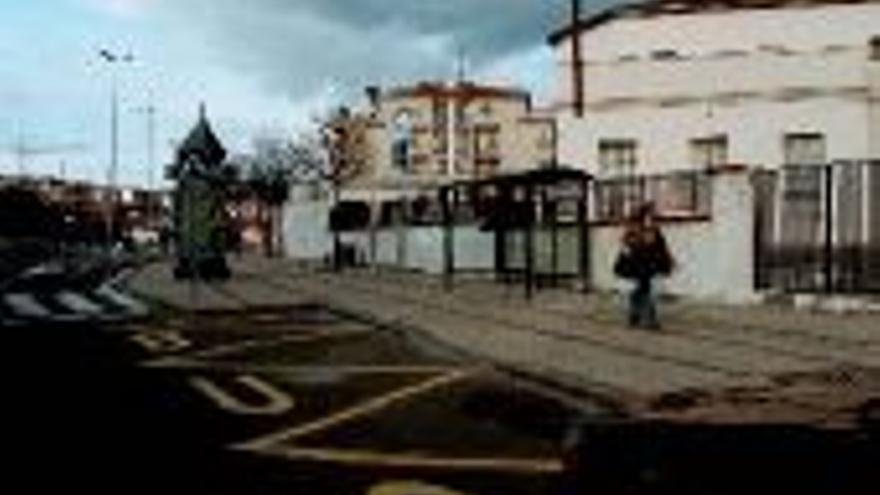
818 228
679 194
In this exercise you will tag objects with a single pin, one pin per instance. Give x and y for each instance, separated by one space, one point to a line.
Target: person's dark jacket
645 254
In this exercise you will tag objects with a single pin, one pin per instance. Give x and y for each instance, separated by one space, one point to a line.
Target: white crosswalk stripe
79 303
121 299
103 304
26 305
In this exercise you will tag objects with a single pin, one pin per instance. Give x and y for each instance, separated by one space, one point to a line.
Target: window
546 138
679 194
486 143
804 149
401 140
664 55
617 157
709 151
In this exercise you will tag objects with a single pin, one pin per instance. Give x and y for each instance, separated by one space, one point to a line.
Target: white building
671 84
665 86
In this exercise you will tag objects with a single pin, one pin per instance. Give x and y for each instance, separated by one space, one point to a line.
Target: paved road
288 400
303 400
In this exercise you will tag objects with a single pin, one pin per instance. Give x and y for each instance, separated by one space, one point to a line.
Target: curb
156 306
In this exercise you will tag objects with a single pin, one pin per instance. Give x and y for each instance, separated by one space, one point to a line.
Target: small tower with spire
202 144
199 204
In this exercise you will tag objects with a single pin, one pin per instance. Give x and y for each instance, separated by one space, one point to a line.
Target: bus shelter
539 221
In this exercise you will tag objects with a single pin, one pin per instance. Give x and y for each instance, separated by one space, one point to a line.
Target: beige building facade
410 140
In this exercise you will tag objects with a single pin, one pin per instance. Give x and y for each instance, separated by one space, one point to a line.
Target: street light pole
151 145
113 59
149 110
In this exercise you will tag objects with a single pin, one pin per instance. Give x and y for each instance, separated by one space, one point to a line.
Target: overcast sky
262 66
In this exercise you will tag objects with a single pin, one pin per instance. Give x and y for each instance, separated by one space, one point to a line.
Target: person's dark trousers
642 309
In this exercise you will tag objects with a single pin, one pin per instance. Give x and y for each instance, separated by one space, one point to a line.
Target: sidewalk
767 363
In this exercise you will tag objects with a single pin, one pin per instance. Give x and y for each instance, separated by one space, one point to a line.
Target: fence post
448 248
829 228
554 233
583 234
529 241
758 229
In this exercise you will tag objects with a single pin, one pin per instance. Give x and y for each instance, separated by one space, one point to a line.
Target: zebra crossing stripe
26 305
79 303
123 300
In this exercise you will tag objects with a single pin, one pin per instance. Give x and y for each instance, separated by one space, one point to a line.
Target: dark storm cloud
486 27
296 47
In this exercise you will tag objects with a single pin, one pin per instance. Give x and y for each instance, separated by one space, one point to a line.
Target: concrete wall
567 257
421 248
715 259
306 231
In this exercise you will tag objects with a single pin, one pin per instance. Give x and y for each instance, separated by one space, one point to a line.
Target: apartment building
421 136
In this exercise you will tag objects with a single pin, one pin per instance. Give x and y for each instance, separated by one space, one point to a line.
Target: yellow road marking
380 459
410 488
182 363
256 343
362 409
276 401
165 341
241 325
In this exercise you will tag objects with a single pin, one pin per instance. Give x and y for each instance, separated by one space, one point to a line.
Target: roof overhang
656 8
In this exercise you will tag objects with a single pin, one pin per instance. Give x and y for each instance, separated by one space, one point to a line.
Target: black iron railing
817 228
675 195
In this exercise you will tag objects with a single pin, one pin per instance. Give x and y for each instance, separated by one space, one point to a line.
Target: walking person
644 255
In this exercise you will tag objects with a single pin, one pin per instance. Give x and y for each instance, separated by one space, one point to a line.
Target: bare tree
268 175
344 137
325 160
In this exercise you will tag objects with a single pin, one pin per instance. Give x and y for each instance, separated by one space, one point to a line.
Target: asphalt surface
297 400
305 400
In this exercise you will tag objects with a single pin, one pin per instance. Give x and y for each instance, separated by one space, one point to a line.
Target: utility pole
149 110
151 145
577 62
23 150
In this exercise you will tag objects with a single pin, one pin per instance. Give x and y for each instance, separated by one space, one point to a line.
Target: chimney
373 95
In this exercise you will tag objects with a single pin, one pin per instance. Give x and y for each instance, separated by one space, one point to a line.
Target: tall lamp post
150 166
113 60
